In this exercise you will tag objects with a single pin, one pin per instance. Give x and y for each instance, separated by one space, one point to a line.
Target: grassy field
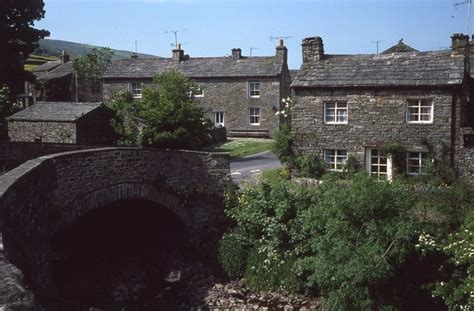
242 147
34 61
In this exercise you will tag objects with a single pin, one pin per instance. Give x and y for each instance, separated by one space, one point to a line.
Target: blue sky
213 27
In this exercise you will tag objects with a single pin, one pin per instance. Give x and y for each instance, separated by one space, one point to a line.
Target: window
198 92
419 111
136 89
335 159
254 89
218 119
415 161
378 165
335 113
254 116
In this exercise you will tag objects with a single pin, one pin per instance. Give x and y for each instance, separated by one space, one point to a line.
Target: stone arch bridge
45 195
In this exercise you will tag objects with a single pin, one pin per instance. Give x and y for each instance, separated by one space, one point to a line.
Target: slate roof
53 70
54 111
196 67
435 68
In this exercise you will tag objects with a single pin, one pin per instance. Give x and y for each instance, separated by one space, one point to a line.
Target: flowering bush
343 239
456 287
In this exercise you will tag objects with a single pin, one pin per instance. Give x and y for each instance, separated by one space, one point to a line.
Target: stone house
238 92
63 122
55 80
356 105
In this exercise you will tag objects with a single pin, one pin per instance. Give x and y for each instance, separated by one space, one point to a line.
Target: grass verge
242 147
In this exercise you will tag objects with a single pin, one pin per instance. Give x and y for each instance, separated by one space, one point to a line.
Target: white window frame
415 159
254 89
219 118
339 108
419 105
199 92
254 112
335 159
137 92
375 154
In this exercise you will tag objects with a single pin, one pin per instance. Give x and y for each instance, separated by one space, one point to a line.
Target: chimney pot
236 53
313 49
64 57
282 43
459 42
178 54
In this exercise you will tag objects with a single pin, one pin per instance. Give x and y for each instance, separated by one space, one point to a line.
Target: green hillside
36 60
48 47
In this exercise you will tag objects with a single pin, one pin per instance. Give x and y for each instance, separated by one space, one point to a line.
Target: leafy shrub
6 105
166 117
233 251
309 166
456 282
283 142
342 238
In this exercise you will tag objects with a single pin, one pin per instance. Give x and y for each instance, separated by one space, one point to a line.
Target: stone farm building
238 92
63 122
354 105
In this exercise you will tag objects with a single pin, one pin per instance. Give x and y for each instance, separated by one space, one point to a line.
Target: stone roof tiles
54 111
196 67
55 70
436 68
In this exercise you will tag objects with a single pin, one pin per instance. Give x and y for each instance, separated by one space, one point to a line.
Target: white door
378 165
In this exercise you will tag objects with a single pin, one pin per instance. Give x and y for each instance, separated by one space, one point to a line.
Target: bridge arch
47 194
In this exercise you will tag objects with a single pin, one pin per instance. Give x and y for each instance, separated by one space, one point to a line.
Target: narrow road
249 168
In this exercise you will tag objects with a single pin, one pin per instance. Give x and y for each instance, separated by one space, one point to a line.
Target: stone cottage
356 105
63 122
239 92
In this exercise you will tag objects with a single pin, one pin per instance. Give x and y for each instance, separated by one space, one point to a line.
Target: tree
167 115
18 38
89 69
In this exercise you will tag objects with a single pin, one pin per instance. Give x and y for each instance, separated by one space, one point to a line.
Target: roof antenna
278 38
468 2
175 32
251 49
377 43
136 46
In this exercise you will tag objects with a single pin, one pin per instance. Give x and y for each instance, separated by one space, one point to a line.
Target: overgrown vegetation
358 242
166 117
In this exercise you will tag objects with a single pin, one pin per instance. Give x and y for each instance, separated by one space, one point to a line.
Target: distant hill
48 47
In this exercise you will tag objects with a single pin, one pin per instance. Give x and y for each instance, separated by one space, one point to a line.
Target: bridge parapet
46 194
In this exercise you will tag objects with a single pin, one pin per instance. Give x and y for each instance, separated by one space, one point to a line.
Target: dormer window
254 89
136 89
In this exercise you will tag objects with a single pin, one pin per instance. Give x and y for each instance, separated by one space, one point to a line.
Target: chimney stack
313 49
64 57
236 54
459 42
282 51
178 54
